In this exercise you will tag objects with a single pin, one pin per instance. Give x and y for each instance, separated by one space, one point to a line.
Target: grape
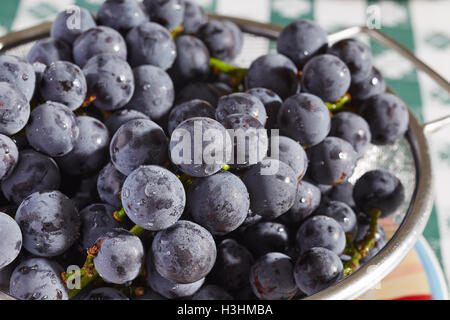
184 252
9 156
120 257
105 293
271 277
232 265
38 279
342 192
14 109
222 39
19 73
301 40
380 240
292 153
271 195
305 118
153 197
241 103
352 128
194 17
340 212
65 83
272 103
169 13
98 40
150 43
216 149
138 142
109 185
120 117
307 200
378 189
67 29
121 15
210 92
34 172
323 232
49 50
187 110
52 129
327 77
212 292
356 55
49 222
192 62
373 84
317 269
265 237
11 240
274 72
153 94
90 150
219 202
237 35
332 161
86 193
387 116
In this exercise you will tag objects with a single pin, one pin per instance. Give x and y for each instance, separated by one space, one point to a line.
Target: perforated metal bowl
409 159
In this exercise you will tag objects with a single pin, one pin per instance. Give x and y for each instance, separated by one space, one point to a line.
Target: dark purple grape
194 17
105 293
121 15
352 128
49 50
184 252
293 154
373 84
70 23
219 203
274 72
241 103
301 40
332 161
232 266
190 109
11 240
63 82
110 81
210 92
9 156
387 116
151 43
19 73
50 223
272 185
212 292
14 109
120 117
169 13
109 185
153 197
272 277
378 189
356 55
317 269
138 142
120 257
307 200
342 192
271 101
305 118
98 40
192 62
203 157
340 212
327 77
34 172
38 279
265 237
153 94
52 129
323 232
237 35
86 193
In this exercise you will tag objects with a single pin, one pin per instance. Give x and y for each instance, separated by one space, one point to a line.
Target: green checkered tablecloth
422 26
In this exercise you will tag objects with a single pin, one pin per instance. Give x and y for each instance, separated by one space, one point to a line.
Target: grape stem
362 249
237 74
339 105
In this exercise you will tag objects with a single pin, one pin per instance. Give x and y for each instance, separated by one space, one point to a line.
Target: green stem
340 104
237 74
177 31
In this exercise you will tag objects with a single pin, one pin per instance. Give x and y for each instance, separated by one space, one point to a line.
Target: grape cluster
123 137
